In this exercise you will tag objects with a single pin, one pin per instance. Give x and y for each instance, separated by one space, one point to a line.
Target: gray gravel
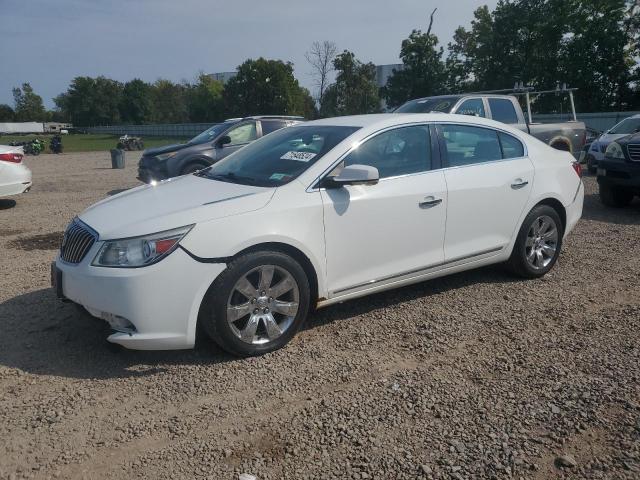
478 375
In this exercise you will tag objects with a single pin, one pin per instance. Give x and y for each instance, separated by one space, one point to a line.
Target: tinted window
244 133
278 158
396 152
269 126
426 105
469 145
473 106
511 146
502 110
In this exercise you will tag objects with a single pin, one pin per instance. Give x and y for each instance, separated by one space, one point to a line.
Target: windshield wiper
230 176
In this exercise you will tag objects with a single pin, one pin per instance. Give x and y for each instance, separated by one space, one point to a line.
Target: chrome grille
634 152
77 241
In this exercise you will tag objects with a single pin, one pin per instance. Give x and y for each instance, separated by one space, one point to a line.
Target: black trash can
117 158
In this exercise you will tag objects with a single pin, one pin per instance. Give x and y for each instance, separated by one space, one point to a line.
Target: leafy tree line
593 45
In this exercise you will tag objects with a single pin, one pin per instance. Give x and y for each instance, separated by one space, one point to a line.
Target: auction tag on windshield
278 176
299 156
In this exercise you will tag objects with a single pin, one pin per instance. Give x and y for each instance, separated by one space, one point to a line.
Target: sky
48 43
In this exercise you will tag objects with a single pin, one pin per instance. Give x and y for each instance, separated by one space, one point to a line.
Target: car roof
384 119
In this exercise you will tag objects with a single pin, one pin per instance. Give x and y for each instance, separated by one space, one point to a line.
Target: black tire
518 262
616 197
213 313
193 167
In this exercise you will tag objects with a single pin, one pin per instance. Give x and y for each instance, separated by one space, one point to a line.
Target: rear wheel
538 243
615 196
257 304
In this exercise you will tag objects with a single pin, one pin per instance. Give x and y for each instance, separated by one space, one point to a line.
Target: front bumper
619 173
160 302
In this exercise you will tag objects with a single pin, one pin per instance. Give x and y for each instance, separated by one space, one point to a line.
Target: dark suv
619 171
208 147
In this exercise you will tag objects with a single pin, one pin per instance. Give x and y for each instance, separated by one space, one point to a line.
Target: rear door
489 179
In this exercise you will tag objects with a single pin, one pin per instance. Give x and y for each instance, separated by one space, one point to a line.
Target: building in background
55 127
223 77
383 72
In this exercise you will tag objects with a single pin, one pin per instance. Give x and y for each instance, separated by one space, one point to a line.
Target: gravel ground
478 375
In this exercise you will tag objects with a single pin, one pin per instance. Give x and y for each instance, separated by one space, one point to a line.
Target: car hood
170 204
632 138
152 152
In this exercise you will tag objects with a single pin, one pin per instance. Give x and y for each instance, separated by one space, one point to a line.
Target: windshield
279 157
626 127
211 133
426 105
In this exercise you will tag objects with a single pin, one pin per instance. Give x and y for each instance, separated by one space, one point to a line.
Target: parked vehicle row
311 215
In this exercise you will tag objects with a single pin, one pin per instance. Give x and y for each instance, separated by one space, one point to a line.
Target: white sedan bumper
161 301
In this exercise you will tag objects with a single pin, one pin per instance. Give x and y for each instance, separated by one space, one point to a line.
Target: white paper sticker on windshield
299 156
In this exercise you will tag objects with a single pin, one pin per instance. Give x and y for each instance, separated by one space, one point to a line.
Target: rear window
269 126
502 110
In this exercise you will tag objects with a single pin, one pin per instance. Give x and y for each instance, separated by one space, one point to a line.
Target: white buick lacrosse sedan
312 215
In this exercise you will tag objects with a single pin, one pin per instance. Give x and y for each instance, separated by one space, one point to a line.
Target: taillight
577 168
11 157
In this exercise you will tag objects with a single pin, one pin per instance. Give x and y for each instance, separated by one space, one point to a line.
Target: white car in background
15 177
313 215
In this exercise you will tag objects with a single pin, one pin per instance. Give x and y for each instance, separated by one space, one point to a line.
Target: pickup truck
568 136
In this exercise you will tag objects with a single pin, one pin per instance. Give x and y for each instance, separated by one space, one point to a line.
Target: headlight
165 156
614 150
139 251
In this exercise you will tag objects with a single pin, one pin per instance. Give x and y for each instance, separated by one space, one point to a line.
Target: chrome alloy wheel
263 304
542 242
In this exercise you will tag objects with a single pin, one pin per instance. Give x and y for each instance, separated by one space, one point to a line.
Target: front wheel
257 304
194 167
538 243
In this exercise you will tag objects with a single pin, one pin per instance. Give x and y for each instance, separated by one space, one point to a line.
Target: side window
269 126
502 110
244 133
396 152
473 107
467 145
511 146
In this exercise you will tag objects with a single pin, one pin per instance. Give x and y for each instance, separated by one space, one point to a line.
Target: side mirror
353 175
224 140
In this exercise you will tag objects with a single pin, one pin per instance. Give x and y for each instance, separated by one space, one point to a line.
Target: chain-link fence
163 130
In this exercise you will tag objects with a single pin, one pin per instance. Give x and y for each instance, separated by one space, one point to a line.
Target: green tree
169 102
28 105
423 72
265 87
91 101
6 113
136 105
585 44
355 90
205 102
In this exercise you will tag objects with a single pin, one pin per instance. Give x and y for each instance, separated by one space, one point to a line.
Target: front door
376 234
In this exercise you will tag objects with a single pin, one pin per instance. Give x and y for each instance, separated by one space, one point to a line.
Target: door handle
429 202
519 183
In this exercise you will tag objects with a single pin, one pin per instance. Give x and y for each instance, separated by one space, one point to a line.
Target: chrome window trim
311 188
